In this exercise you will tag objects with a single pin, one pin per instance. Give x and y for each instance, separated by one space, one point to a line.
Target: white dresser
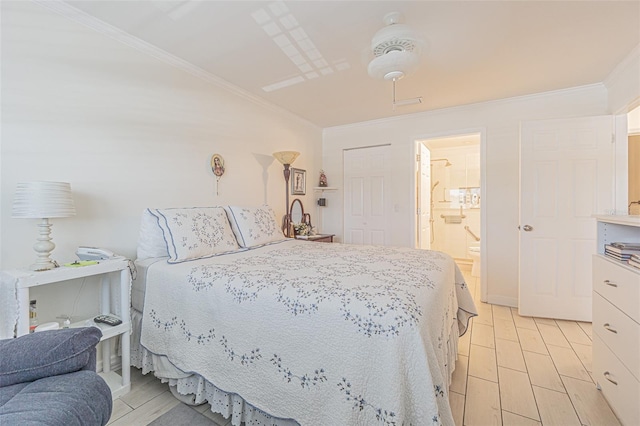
616 320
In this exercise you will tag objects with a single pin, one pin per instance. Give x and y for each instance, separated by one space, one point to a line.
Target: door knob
528 228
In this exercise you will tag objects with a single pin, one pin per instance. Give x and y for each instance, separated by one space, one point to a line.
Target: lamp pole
287 218
286 158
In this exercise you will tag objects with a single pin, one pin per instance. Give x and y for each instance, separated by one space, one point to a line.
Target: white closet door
566 176
367 212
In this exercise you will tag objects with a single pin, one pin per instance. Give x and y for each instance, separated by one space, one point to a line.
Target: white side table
109 269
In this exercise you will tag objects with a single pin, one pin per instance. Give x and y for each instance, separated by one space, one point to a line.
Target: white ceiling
310 57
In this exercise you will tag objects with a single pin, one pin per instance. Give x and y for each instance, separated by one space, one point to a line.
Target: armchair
49 378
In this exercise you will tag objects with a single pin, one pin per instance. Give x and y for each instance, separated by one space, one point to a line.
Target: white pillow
254 226
151 242
196 233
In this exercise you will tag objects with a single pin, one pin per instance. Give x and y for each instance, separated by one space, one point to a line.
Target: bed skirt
193 385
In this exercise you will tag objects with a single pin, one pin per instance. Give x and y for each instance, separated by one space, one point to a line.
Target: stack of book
624 252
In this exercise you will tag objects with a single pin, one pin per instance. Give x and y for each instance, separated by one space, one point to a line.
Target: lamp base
44 266
44 247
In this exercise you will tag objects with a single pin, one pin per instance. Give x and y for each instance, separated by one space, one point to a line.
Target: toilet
474 253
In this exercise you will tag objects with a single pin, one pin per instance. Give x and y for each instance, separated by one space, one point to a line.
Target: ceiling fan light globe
393 62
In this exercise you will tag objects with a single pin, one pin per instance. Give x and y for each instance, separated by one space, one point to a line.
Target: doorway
451 190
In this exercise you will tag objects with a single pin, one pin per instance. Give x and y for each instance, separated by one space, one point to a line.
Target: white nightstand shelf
114 380
118 269
108 331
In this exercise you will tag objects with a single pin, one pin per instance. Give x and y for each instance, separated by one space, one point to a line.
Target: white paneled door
566 176
367 211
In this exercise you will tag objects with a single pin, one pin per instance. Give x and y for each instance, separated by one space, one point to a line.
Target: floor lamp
286 158
43 200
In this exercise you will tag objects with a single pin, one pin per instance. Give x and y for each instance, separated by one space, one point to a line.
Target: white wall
127 131
623 84
500 121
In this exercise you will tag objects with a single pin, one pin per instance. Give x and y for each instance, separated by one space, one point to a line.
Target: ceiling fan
396 53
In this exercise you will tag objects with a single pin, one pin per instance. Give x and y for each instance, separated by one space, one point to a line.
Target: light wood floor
514 370
511 370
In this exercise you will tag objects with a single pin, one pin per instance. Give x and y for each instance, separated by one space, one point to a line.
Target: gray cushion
75 399
8 392
47 353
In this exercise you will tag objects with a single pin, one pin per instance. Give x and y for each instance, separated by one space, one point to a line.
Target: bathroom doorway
452 186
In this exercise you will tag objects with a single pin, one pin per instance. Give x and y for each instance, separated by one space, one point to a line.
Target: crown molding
466 106
83 18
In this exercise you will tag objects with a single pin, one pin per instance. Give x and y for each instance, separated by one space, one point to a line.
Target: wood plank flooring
515 370
511 370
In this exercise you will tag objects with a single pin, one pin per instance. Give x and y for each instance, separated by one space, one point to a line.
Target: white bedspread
326 334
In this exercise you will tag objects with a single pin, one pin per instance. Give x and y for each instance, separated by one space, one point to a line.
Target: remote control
108 319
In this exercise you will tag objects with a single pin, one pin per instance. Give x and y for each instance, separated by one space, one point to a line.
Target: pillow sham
254 226
195 233
151 241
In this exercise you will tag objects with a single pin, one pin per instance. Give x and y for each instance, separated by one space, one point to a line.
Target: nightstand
319 238
110 270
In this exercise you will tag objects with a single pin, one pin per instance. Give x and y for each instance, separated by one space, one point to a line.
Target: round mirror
296 212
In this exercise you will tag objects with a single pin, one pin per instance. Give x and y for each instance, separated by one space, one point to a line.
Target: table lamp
286 158
43 200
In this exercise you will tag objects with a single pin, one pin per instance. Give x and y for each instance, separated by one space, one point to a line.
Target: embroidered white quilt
325 334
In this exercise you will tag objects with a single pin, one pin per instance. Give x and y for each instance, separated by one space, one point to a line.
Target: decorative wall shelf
321 201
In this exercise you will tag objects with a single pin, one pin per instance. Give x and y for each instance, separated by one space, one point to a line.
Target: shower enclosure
455 196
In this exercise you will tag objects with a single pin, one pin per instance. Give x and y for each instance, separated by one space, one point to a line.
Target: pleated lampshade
43 199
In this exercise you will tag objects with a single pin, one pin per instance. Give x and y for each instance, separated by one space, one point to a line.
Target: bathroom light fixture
286 158
43 200
396 54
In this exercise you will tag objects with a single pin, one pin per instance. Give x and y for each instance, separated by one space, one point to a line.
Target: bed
280 331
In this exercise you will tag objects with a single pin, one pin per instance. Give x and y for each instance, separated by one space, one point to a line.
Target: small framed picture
217 165
298 181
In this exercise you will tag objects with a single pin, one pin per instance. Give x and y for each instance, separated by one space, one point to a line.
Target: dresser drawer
624 394
617 284
619 332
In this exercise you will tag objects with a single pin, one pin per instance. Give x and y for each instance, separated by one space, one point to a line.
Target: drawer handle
606 376
609 283
607 327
